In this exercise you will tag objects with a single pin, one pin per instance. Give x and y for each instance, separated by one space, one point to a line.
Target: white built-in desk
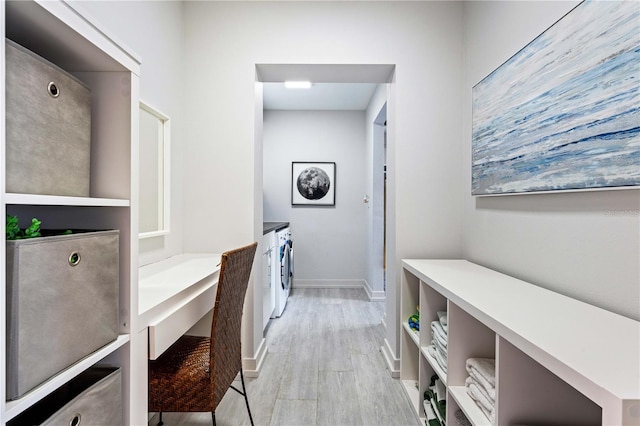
174 294
558 360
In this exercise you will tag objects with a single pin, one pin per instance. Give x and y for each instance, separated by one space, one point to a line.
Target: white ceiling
321 96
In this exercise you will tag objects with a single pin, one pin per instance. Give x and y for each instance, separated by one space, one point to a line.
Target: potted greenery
14 232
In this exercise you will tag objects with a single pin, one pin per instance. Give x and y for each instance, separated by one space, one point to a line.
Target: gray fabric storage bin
48 131
58 313
93 398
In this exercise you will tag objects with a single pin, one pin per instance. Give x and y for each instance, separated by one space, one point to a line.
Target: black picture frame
313 183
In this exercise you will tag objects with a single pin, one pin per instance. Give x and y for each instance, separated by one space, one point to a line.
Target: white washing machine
284 255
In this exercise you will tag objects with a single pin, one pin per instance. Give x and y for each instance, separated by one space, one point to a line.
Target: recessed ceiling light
297 84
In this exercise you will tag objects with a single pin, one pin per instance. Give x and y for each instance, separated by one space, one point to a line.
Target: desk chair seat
194 374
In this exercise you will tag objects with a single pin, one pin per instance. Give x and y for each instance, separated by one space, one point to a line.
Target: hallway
324 367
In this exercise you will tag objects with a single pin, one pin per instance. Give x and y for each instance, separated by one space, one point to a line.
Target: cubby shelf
14 408
415 337
59 31
411 388
542 343
434 364
468 407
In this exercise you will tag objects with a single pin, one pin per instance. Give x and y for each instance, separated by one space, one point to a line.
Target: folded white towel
444 319
481 401
490 415
441 357
439 333
483 370
489 396
435 354
437 340
438 344
439 350
432 350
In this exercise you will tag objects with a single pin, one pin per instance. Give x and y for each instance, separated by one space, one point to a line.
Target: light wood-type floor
323 367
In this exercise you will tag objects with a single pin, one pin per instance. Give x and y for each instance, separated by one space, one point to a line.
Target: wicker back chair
196 372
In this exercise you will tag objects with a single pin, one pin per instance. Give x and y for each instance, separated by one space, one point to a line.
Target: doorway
374 191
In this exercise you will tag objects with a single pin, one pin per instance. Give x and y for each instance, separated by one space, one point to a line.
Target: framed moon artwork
313 184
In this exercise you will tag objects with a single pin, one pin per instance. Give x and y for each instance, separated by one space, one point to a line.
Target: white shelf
55 200
565 330
542 341
64 36
411 389
414 335
468 406
13 408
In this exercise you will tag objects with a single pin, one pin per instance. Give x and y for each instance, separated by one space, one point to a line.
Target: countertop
273 226
173 295
161 281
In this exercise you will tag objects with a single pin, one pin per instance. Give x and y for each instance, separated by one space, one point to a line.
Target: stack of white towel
481 384
439 333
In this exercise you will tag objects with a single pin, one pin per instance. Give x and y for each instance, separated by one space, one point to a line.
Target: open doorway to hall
333 250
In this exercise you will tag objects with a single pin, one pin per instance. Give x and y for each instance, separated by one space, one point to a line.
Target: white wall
223 43
583 244
329 241
154 31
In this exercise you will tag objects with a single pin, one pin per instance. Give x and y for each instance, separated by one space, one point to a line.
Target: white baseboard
393 363
252 366
328 283
374 296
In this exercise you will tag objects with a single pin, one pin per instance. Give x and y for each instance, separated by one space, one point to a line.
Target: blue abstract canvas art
564 112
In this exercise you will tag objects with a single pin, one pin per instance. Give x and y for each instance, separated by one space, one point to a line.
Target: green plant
13 231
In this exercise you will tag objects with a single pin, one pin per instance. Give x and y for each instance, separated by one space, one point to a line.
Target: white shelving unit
59 32
558 360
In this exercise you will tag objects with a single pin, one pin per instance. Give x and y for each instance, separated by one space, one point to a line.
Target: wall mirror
155 151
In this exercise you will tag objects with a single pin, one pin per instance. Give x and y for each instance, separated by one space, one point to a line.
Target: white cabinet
269 267
58 32
558 360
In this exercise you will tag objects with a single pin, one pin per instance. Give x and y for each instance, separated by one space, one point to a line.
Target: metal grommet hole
74 258
75 421
53 90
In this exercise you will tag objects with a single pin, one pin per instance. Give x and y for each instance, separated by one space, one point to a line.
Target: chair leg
160 422
246 400
213 417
